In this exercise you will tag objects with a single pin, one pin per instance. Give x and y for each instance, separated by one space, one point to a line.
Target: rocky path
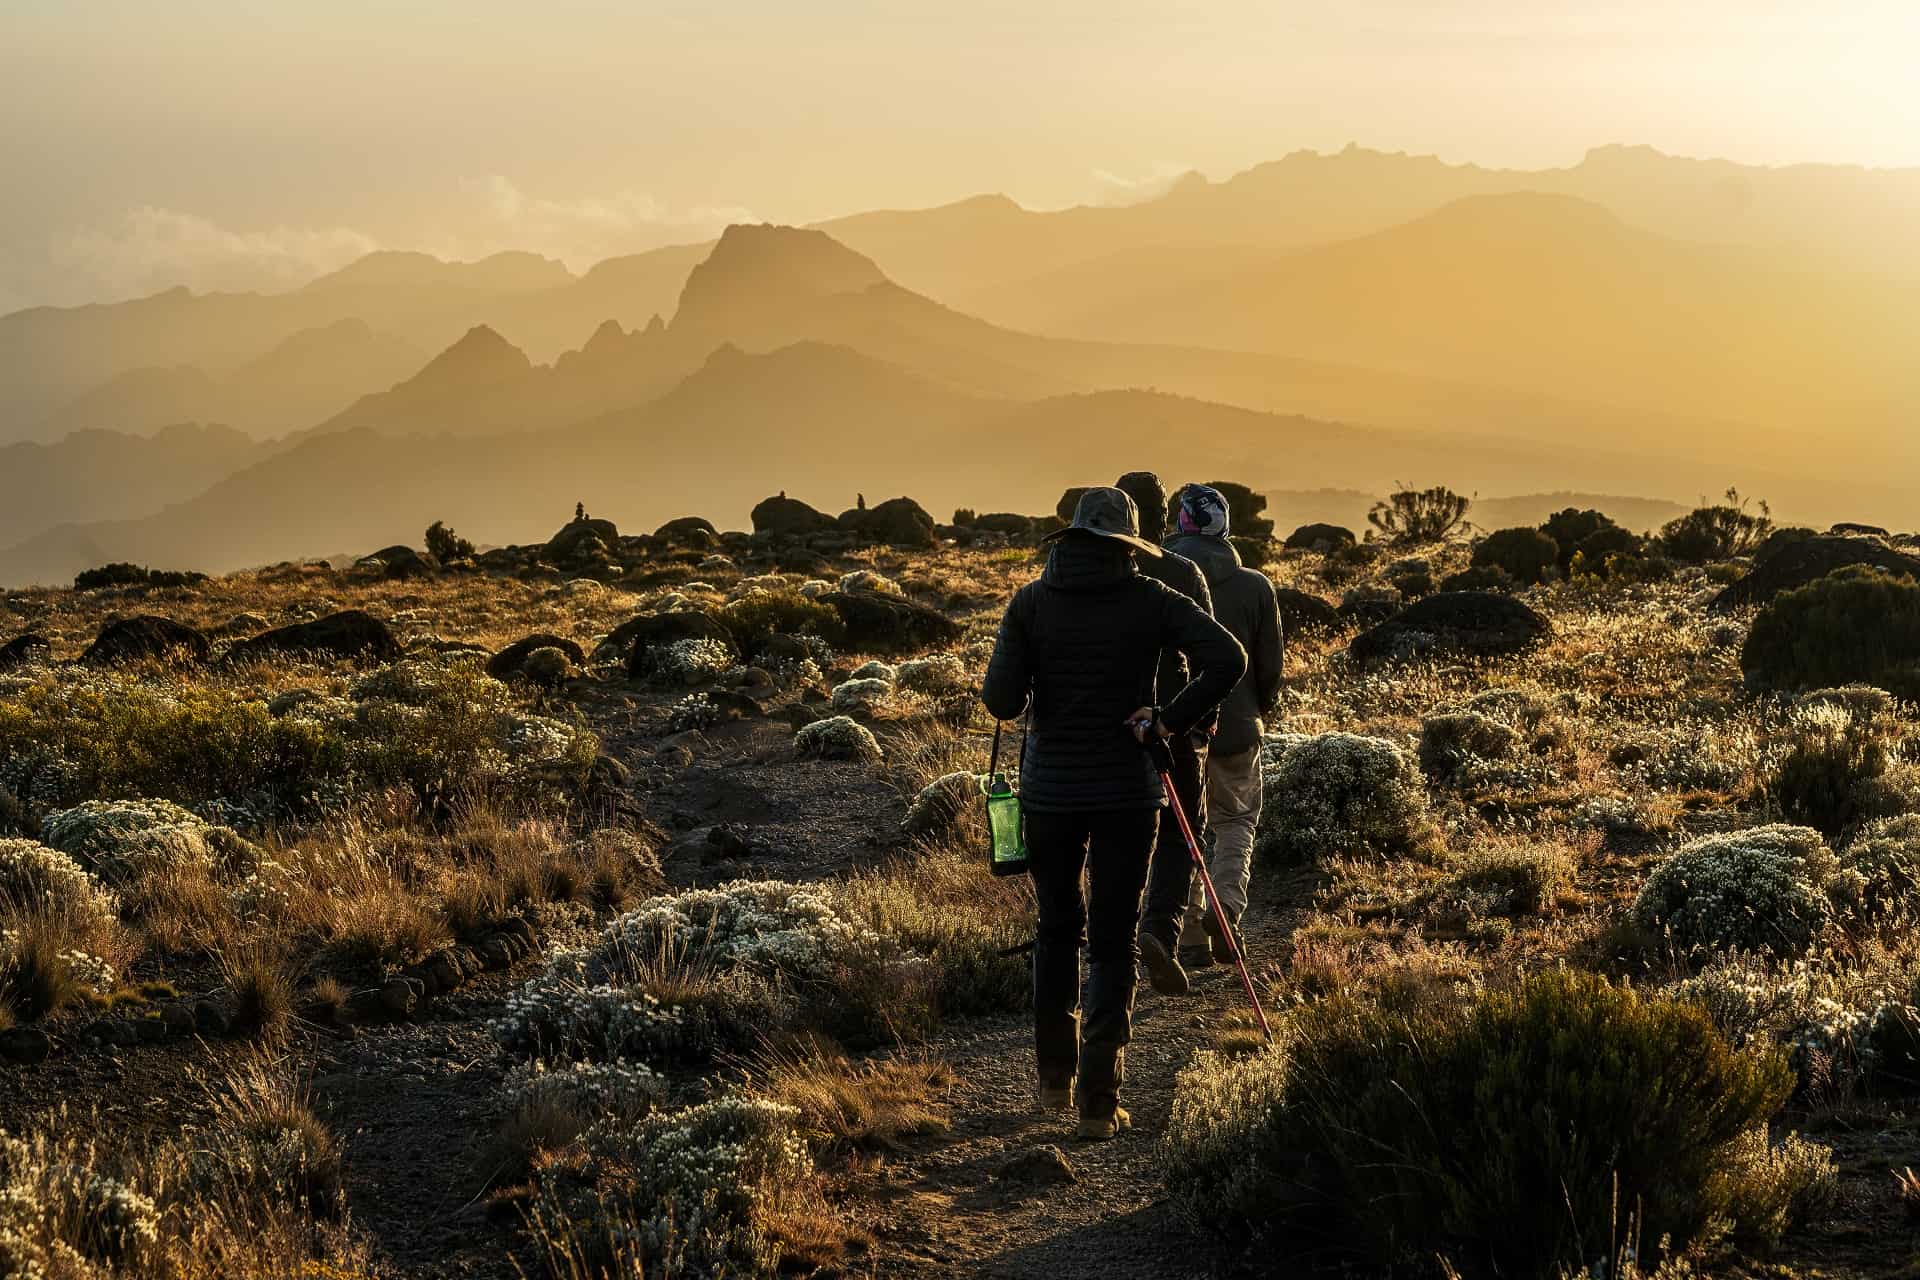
987 1201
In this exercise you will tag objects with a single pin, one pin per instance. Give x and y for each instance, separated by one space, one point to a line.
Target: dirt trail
955 1214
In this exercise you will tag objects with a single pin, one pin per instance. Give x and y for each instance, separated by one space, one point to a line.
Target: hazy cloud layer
149 249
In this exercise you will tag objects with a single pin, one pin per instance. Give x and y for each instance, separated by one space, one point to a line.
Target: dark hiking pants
1113 847
1170 879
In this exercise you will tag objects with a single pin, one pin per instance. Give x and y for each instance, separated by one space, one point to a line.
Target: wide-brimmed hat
1107 513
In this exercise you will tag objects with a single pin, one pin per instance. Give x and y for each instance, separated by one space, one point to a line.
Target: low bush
942 673
837 738
1520 1130
1413 516
1884 859
1572 526
758 616
1340 794
1858 624
1453 741
1719 532
1525 555
1765 889
1829 776
36 879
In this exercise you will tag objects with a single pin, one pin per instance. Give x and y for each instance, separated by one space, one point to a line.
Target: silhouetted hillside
304 379
100 475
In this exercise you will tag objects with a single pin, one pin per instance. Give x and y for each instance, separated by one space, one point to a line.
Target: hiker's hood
1216 557
1088 564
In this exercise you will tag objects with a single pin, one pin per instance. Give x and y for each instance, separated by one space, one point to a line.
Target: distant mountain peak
755 268
482 355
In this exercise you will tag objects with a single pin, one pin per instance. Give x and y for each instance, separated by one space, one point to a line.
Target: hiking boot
1163 971
1198 956
1222 950
1103 1128
1056 1097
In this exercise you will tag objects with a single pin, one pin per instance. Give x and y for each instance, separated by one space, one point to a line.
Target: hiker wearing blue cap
1243 603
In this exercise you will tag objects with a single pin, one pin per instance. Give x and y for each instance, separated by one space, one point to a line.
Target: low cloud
150 249
1115 190
581 232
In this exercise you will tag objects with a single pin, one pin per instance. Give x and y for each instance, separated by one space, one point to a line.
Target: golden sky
233 143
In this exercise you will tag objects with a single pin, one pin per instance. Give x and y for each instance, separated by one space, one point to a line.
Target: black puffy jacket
1086 640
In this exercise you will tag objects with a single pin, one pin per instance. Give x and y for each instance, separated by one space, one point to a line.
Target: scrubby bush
1342 794
757 616
133 575
1884 858
704 1191
1829 777
942 673
776 949
860 695
125 841
1480 578
1856 624
1765 889
1452 741
869 580
1712 533
1601 554
1572 526
1519 1130
1525 555
1419 515
444 545
36 878
92 734
837 738
939 805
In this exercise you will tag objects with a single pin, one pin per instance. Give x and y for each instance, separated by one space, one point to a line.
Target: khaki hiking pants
1233 812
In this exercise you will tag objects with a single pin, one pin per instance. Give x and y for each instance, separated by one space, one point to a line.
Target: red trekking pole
1162 757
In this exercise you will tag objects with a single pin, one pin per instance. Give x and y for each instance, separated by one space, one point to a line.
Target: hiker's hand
1144 722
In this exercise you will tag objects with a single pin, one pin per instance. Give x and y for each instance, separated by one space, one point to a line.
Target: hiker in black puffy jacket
1080 650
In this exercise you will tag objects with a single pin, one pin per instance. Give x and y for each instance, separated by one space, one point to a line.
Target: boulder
1468 623
890 624
508 662
1369 610
1302 612
22 649
352 633
580 537
783 515
146 636
900 522
399 562
1320 537
1795 564
689 531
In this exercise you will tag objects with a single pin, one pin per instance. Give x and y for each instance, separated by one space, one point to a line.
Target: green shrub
1711 533
1764 889
1572 526
1522 1129
1856 624
1828 776
444 545
759 615
112 735
1480 578
1340 794
1525 554
1453 740
122 574
1600 554
1885 858
1419 515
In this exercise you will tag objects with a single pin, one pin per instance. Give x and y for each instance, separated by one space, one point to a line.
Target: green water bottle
1003 821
